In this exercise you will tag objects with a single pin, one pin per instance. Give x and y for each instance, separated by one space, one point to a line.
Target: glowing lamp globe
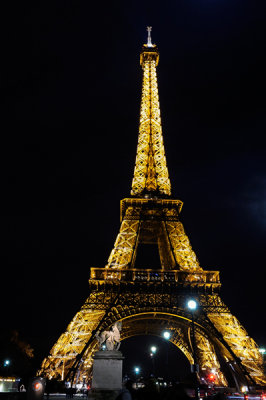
136 369
166 335
192 304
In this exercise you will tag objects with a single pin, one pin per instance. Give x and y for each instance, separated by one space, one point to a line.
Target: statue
111 339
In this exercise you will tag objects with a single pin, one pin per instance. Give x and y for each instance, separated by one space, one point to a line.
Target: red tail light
211 377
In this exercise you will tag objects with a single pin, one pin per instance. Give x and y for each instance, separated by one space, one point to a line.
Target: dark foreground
140 394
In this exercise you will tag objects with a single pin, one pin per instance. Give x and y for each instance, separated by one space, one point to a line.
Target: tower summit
149 43
151 176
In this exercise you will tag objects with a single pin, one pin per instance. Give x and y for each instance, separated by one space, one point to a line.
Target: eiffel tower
148 300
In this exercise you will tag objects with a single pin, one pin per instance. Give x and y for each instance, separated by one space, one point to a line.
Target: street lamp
6 363
153 350
137 370
192 305
166 335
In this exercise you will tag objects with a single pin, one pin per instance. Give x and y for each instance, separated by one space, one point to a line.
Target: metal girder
158 225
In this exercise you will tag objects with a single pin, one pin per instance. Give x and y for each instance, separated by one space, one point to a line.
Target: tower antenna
149 43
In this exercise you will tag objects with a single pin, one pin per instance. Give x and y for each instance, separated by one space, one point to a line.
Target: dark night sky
71 83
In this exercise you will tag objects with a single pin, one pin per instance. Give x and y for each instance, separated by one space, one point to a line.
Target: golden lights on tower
145 299
151 173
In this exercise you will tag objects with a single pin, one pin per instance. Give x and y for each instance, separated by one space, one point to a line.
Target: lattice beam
151 173
242 345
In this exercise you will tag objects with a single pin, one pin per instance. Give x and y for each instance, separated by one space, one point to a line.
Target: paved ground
58 396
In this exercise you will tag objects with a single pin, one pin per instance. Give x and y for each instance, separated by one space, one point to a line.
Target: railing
151 275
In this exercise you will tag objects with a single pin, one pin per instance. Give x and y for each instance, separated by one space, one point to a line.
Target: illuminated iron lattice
150 300
151 173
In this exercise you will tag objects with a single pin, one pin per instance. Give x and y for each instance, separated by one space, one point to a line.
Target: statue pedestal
106 375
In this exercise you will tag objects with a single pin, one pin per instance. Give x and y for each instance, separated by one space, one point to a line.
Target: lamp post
7 365
167 335
137 371
192 305
153 350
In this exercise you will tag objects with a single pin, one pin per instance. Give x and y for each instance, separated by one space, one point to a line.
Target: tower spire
149 43
151 173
